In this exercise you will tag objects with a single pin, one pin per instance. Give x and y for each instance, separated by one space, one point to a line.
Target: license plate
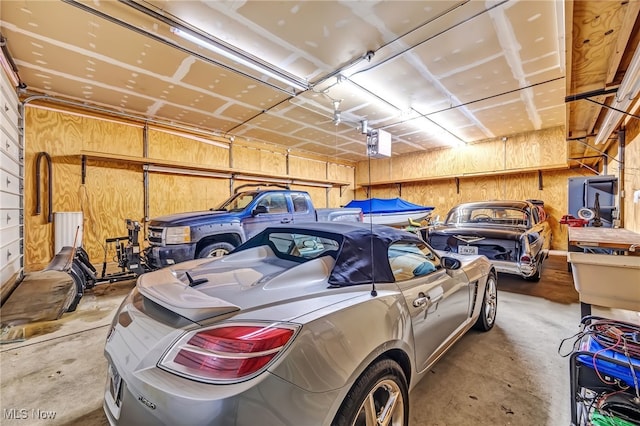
467 249
115 384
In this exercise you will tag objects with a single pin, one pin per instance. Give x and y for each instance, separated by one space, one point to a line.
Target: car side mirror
260 210
450 263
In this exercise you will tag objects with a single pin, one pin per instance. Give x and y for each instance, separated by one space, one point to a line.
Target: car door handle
420 301
426 300
285 220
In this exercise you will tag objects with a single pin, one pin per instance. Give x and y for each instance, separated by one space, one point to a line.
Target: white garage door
11 189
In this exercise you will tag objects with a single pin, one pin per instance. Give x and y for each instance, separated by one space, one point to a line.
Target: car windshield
302 246
499 215
238 202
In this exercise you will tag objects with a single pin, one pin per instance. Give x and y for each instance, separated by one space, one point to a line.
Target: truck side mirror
260 210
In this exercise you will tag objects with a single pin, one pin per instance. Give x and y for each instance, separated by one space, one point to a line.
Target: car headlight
178 235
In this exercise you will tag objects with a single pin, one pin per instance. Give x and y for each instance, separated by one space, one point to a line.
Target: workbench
611 280
608 238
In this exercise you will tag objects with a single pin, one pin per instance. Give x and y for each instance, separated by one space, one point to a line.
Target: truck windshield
238 202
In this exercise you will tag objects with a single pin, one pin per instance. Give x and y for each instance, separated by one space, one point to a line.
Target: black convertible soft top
363 254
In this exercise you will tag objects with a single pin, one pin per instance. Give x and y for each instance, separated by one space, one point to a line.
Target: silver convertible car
309 324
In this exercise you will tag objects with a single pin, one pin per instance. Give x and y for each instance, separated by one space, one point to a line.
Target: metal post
621 195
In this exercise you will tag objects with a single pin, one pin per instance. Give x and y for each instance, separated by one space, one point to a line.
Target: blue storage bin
605 366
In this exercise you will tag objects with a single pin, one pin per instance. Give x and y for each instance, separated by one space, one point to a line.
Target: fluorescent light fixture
237 57
179 171
437 130
389 108
625 95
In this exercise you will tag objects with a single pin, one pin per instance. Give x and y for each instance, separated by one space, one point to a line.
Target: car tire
382 385
489 308
215 250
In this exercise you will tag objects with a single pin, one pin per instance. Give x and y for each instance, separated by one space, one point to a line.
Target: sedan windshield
499 215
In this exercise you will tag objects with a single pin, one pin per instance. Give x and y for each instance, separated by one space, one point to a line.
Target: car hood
242 282
192 218
488 231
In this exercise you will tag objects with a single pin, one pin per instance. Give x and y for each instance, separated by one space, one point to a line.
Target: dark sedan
514 235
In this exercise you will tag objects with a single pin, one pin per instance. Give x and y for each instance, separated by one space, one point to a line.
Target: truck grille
156 235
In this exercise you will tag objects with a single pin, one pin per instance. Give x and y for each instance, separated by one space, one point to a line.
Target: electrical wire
615 337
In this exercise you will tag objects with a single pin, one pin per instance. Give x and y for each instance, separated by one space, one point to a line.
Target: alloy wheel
384 405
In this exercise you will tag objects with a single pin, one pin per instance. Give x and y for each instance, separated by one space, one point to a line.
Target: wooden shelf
461 176
225 172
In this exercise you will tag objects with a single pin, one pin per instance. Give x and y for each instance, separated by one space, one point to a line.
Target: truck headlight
178 235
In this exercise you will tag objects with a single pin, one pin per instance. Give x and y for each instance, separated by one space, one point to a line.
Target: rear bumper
524 270
161 256
273 401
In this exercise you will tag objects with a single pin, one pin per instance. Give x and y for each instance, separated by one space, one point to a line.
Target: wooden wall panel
55 134
339 172
111 136
111 194
477 158
307 168
544 149
246 157
169 146
380 170
170 193
273 162
318 195
536 149
632 183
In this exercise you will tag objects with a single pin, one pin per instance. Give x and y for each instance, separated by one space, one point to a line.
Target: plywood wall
182 148
338 197
542 149
259 159
443 194
108 194
114 190
632 185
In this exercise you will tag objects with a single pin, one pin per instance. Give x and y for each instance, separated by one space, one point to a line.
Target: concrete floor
512 375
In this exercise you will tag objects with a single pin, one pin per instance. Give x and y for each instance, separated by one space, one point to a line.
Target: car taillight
525 259
228 353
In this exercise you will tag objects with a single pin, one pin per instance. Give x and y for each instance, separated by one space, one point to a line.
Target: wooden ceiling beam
624 34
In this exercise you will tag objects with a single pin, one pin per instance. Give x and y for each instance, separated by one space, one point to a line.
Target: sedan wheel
489 305
379 397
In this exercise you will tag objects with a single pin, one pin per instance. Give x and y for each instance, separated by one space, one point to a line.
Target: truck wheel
215 250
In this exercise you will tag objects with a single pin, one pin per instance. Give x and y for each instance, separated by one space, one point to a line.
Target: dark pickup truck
184 236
